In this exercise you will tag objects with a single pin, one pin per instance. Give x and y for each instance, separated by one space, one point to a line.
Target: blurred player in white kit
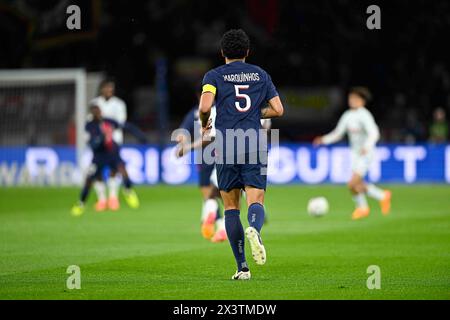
113 108
359 124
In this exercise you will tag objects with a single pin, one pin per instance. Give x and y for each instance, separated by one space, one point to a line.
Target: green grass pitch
157 252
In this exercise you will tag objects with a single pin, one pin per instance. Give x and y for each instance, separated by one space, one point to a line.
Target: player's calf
100 189
256 216
113 188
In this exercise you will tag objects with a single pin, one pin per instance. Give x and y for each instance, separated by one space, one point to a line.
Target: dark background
304 44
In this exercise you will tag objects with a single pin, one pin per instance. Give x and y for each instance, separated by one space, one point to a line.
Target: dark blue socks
256 216
86 188
235 230
127 183
218 213
84 194
235 233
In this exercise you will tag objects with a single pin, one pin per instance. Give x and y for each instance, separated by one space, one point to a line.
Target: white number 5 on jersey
248 103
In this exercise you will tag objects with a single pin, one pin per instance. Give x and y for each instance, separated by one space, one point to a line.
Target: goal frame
77 76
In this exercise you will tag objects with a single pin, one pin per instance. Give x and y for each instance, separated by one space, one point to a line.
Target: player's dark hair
363 92
105 82
235 44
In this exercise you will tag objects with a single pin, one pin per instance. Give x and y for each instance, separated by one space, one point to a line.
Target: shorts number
240 95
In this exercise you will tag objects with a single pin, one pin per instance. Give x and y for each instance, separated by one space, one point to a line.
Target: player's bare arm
184 148
274 109
206 103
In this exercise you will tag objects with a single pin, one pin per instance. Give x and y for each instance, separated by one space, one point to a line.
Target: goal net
40 107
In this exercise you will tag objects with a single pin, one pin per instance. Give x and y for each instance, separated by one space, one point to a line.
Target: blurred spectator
439 127
414 130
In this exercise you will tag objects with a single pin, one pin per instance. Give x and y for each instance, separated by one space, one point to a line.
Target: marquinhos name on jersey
241 77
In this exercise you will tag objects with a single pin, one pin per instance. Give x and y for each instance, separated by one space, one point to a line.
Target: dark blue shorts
204 174
238 176
104 160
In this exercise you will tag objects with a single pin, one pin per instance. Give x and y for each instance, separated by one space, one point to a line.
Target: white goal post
35 88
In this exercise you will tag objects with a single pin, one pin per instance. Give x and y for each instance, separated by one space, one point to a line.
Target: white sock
113 187
100 190
360 200
220 224
209 205
375 192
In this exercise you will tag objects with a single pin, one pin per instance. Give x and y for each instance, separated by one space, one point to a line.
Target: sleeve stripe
209 88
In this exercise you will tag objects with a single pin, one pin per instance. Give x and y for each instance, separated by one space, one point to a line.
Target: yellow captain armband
209 88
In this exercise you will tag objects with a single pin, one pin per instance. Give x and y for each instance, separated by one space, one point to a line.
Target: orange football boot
113 204
385 203
219 236
208 225
101 205
360 213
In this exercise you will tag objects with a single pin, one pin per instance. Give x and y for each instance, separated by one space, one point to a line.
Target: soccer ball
318 206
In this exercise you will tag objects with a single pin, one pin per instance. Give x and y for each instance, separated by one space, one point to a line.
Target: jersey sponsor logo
241 77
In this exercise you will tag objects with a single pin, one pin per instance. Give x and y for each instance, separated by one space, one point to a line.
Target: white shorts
361 163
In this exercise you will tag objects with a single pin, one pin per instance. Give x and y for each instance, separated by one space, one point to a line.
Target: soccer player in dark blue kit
106 154
243 94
